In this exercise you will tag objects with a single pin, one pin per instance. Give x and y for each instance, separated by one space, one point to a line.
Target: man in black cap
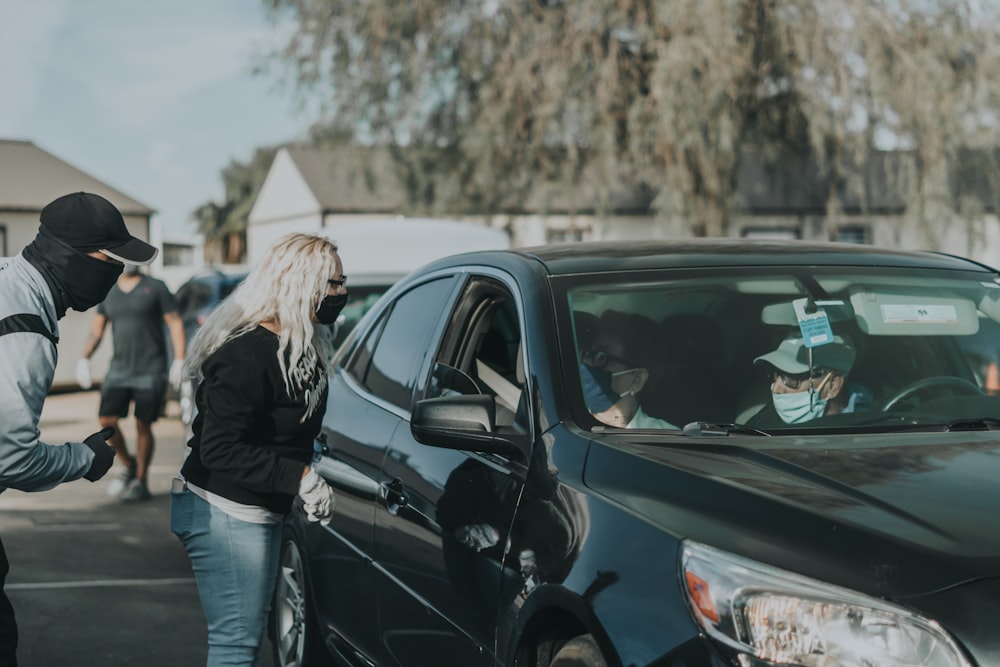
81 248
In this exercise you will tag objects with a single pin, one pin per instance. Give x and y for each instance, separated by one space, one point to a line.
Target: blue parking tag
815 326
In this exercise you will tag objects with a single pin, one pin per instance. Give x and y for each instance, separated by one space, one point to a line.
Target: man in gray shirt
137 308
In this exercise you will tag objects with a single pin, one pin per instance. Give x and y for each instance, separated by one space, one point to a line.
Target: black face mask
330 307
93 283
77 280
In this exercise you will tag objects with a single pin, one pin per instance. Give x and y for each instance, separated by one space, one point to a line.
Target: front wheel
580 651
293 629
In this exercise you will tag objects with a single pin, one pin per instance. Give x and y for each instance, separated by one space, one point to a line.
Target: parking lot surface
96 582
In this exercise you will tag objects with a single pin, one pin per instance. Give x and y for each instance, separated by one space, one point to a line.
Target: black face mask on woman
329 308
77 280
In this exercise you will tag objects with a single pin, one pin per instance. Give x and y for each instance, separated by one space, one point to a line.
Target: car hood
891 515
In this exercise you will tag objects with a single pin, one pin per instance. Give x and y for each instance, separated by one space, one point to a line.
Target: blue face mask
798 408
597 391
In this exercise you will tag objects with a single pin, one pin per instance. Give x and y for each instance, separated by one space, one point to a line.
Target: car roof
372 279
212 276
597 257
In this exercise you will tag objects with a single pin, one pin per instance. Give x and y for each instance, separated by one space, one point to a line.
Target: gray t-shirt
138 333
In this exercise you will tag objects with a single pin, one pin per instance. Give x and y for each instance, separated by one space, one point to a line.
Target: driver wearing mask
611 373
801 392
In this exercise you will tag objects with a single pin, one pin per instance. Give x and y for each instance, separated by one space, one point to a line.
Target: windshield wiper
909 423
900 422
974 424
708 429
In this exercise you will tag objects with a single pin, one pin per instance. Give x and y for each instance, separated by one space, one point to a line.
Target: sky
152 97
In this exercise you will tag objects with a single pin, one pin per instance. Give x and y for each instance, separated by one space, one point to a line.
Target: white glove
176 373
477 536
317 497
83 374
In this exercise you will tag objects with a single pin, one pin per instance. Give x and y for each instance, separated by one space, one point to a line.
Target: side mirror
462 422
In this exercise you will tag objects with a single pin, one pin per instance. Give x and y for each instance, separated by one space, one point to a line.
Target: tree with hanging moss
493 99
224 224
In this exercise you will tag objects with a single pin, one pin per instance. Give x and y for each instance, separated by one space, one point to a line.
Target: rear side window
227 287
192 297
404 342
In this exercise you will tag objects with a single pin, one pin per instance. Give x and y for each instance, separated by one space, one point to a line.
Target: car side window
482 353
192 297
357 367
402 344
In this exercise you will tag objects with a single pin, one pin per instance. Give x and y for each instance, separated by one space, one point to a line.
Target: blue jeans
235 564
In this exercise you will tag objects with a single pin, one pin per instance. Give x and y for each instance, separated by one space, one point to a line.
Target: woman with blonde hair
260 363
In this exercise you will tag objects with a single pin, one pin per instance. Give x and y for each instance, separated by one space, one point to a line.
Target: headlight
770 616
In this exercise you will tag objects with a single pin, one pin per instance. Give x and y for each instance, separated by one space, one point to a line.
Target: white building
30 178
305 191
312 189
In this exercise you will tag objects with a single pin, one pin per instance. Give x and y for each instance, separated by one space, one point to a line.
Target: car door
442 531
367 398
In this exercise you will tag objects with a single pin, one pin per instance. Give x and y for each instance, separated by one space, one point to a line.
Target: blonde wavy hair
286 287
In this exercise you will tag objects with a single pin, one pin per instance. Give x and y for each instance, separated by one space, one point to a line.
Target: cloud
150 65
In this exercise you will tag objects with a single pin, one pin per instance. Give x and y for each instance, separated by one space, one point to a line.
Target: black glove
104 454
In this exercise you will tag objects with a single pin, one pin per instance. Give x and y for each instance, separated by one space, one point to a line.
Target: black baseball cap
89 222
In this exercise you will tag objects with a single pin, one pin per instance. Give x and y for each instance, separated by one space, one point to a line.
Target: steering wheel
961 385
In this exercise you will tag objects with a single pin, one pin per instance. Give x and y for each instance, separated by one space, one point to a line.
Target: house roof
353 178
31 177
350 178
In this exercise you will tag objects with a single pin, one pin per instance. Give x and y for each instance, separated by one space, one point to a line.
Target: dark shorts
148 402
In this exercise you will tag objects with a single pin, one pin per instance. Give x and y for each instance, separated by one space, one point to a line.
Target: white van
377 253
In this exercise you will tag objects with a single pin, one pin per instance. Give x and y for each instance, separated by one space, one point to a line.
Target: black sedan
693 454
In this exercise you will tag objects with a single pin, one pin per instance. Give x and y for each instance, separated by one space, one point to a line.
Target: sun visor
784 313
898 311
990 303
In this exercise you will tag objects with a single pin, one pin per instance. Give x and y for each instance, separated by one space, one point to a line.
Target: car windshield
784 349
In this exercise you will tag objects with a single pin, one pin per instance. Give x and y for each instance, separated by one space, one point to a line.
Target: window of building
568 235
853 234
177 254
777 232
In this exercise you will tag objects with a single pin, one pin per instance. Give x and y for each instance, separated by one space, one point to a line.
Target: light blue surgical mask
799 407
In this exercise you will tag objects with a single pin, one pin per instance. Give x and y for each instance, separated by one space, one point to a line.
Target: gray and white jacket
27 367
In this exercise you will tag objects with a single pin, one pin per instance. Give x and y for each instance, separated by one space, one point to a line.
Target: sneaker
136 491
117 485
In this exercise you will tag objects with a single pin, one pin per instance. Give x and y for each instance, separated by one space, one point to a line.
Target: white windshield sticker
923 314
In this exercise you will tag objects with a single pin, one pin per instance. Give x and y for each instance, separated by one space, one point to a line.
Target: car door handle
394 496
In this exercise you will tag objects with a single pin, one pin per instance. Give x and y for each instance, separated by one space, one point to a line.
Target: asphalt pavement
94 581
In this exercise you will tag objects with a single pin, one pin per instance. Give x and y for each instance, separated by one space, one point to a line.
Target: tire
580 651
294 634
